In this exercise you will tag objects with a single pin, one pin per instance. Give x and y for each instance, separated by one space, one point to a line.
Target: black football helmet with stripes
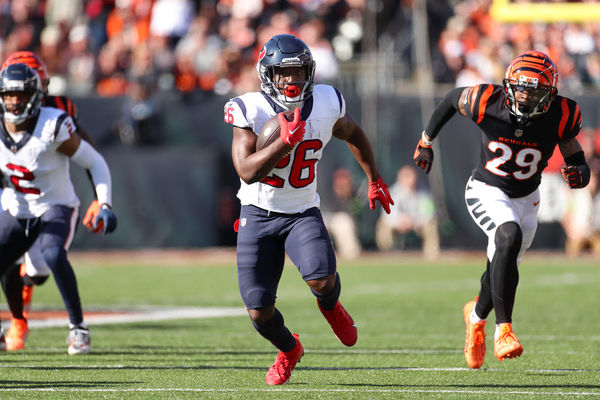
533 74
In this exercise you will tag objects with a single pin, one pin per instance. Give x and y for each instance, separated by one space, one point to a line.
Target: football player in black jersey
522 121
19 280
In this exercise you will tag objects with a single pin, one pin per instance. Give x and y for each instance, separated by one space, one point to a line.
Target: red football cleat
342 324
281 370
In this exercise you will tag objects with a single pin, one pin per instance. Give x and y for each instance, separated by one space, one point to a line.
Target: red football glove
378 190
576 176
90 217
423 156
291 132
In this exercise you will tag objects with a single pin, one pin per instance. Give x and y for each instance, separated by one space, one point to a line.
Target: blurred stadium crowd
102 46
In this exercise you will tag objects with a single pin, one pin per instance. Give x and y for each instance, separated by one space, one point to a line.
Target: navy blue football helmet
283 51
21 78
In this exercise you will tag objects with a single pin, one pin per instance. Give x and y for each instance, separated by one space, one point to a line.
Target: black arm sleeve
443 112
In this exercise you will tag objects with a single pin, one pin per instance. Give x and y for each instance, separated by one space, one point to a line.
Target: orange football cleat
506 344
17 334
474 338
281 370
342 324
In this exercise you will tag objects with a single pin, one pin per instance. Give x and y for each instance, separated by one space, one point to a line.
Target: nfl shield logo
518 132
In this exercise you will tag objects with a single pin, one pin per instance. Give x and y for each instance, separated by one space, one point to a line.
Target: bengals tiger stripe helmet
32 61
535 74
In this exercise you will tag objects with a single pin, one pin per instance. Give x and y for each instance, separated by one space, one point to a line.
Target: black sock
328 300
275 332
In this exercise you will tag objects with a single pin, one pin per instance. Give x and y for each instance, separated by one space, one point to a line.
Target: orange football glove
90 217
423 156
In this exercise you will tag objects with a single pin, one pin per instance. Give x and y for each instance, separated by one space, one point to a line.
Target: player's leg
57 232
260 260
315 260
489 207
12 284
34 271
16 236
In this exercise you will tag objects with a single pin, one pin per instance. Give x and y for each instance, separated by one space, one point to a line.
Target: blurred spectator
63 12
140 122
171 19
312 33
412 214
221 40
81 61
112 64
581 221
340 216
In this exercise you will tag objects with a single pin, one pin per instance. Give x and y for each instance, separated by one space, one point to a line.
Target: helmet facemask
287 94
19 78
530 85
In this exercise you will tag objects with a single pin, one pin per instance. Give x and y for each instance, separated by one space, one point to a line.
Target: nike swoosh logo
382 192
293 131
535 203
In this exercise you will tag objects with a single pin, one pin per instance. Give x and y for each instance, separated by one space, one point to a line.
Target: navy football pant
263 239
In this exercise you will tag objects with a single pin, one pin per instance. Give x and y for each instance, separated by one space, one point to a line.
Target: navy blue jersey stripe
59 122
339 96
241 104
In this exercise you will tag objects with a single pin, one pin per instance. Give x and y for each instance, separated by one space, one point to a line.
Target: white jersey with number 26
37 176
291 187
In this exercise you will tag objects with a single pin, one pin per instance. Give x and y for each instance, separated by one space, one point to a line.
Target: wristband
425 141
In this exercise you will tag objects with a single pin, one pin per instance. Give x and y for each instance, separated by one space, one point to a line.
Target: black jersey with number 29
512 156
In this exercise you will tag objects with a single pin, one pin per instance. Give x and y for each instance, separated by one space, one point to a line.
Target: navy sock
328 300
275 332
12 284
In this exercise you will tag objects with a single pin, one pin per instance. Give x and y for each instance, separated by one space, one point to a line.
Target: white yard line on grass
158 314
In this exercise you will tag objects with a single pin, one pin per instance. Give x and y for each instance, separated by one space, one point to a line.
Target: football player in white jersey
18 282
37 144
278 193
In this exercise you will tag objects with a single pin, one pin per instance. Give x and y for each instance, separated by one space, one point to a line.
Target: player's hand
91 214
291 132
378 190
575 176
100 218
423 156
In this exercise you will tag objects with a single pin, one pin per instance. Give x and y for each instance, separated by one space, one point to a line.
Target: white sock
474 318
497 333
82 325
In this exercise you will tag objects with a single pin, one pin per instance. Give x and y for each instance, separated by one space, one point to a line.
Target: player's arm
347 129
577 172
83 154
454 101
252 165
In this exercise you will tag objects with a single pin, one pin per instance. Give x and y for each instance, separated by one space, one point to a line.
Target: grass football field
409 315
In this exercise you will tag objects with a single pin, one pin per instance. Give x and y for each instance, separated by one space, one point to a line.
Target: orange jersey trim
565 116
483 102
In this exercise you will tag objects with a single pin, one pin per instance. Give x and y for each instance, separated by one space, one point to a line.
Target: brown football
270 130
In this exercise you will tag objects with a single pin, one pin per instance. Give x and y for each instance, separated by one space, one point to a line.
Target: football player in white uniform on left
37 144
